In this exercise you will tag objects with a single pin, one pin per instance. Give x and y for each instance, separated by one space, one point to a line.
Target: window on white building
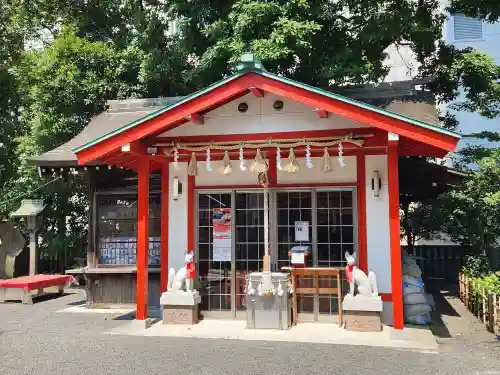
467 27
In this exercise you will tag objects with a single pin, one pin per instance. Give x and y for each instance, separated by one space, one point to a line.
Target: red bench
26 287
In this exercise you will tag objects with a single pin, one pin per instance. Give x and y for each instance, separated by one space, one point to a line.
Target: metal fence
439 262
484 304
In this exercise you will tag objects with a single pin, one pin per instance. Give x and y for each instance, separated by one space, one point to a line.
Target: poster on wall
302 231
221 221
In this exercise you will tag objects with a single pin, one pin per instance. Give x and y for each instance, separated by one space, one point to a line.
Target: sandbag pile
417 303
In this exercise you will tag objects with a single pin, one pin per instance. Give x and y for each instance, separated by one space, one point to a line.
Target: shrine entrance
225 259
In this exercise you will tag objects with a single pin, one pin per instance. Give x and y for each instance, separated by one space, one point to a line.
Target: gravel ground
37 340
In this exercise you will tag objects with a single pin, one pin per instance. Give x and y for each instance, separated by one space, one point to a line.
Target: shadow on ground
131 316
441 289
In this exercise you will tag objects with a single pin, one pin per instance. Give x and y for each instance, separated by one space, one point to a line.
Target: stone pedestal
362 314
180 307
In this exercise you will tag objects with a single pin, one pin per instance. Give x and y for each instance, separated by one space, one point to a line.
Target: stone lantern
29 209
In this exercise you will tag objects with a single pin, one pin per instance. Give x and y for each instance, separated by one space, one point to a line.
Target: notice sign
222 220
302 231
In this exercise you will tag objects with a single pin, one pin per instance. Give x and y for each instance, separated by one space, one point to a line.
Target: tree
489 10
91 51
62 87
318 42
10 50
474 209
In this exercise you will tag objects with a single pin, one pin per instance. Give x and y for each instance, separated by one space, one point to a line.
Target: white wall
377 224
261 117
177 218
489 43
215 178
314 175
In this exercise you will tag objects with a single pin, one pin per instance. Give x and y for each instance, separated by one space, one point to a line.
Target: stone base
360 303
139 325
362 321
180 307
173 314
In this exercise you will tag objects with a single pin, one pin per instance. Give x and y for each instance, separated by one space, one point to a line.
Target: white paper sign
298 258
302 231
222 250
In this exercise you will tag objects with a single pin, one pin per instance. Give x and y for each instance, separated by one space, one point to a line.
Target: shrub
476 266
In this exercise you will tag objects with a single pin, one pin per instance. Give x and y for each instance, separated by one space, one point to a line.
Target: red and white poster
222 220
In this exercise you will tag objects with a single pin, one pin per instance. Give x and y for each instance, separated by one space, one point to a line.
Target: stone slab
173 314
420 340
140 325
360 303
180 298
362 321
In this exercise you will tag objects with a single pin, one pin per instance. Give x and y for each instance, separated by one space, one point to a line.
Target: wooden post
460 286
491 312
91 235
466 285
191 212
142 239
484 302
164 227
294 298
394 225
361 201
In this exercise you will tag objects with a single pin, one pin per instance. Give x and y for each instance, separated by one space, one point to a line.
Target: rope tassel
193 165
258 164
326 162
226 167
292 165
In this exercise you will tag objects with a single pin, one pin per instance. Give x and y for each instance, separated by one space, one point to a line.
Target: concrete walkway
456 329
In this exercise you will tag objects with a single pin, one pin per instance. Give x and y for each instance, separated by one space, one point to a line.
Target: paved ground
37 340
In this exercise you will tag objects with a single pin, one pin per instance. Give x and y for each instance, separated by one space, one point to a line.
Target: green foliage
322 43
474 209
488 283
90 51
488 10
476 266
475 72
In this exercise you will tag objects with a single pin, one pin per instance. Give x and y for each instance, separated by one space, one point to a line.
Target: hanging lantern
292 165
243 165
209 161
326 162
225 168
176 159
258 164
340 158
309 163
278 159
193 165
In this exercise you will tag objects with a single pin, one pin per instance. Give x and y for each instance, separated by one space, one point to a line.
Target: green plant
476 266
489 283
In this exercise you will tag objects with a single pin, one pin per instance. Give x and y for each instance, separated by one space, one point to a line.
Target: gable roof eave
286 81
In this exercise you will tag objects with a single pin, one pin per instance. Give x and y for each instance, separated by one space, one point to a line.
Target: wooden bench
26 288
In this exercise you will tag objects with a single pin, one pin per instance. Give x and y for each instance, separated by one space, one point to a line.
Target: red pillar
361 203
164 228
191 213
142 239
394 225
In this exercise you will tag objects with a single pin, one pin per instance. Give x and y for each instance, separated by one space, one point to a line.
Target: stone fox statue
367 285
184 276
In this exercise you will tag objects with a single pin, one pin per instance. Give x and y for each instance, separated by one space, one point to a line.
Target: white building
461 32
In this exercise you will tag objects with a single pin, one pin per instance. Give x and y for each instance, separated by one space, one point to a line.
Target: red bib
348 272
190 271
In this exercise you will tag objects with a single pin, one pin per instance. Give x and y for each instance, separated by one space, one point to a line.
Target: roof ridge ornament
249 62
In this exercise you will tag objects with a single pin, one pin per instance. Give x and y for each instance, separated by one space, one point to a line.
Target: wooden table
315 273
